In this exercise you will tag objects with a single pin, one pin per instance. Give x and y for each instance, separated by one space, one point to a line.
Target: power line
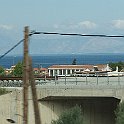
11 49
76 34
14 46
63 34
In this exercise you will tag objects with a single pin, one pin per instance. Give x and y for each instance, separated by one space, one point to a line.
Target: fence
84 80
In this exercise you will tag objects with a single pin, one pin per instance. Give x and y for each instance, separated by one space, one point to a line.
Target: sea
47 60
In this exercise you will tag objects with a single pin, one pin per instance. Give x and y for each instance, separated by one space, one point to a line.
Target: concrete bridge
97 97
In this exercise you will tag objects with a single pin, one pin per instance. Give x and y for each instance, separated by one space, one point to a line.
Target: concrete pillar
49 72
66 72
71 71
62 72
53 73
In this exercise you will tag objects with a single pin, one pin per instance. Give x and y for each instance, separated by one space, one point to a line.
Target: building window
55 72
51 72
64 72
73 71
68 71
60 71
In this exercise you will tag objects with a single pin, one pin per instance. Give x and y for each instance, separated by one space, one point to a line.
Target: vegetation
3 91
72 116
18 70
120 114
2 71
114 65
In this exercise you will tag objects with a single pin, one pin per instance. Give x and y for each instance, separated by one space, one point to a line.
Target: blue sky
71 16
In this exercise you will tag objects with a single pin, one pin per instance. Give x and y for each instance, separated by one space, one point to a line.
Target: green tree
115 64
120 114
74 62
2 71
18 70
71 116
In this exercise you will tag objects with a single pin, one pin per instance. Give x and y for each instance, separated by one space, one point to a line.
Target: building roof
100 66
41 69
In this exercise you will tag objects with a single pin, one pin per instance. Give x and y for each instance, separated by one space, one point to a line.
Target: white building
116 73
68 70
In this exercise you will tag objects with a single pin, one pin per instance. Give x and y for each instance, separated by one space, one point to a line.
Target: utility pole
25 76
34 94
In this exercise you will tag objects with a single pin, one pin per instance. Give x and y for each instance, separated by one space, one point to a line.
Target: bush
3 91
71 116
2 71
120 114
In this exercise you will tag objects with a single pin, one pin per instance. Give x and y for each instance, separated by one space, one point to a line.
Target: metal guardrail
84 80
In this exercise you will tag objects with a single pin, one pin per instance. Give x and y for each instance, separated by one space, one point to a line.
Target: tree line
18 70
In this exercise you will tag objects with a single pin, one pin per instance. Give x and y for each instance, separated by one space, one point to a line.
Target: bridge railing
84 80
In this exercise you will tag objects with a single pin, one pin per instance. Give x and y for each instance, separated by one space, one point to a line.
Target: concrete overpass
98 100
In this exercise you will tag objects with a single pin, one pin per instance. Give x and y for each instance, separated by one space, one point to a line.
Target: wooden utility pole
25 76
34 95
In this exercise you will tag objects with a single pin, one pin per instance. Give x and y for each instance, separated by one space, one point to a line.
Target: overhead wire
75 34
14 46
11 49
64 34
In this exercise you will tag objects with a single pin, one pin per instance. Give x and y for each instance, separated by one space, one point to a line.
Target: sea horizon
52 54
46 60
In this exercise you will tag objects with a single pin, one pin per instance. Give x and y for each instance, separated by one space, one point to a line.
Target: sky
65 16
